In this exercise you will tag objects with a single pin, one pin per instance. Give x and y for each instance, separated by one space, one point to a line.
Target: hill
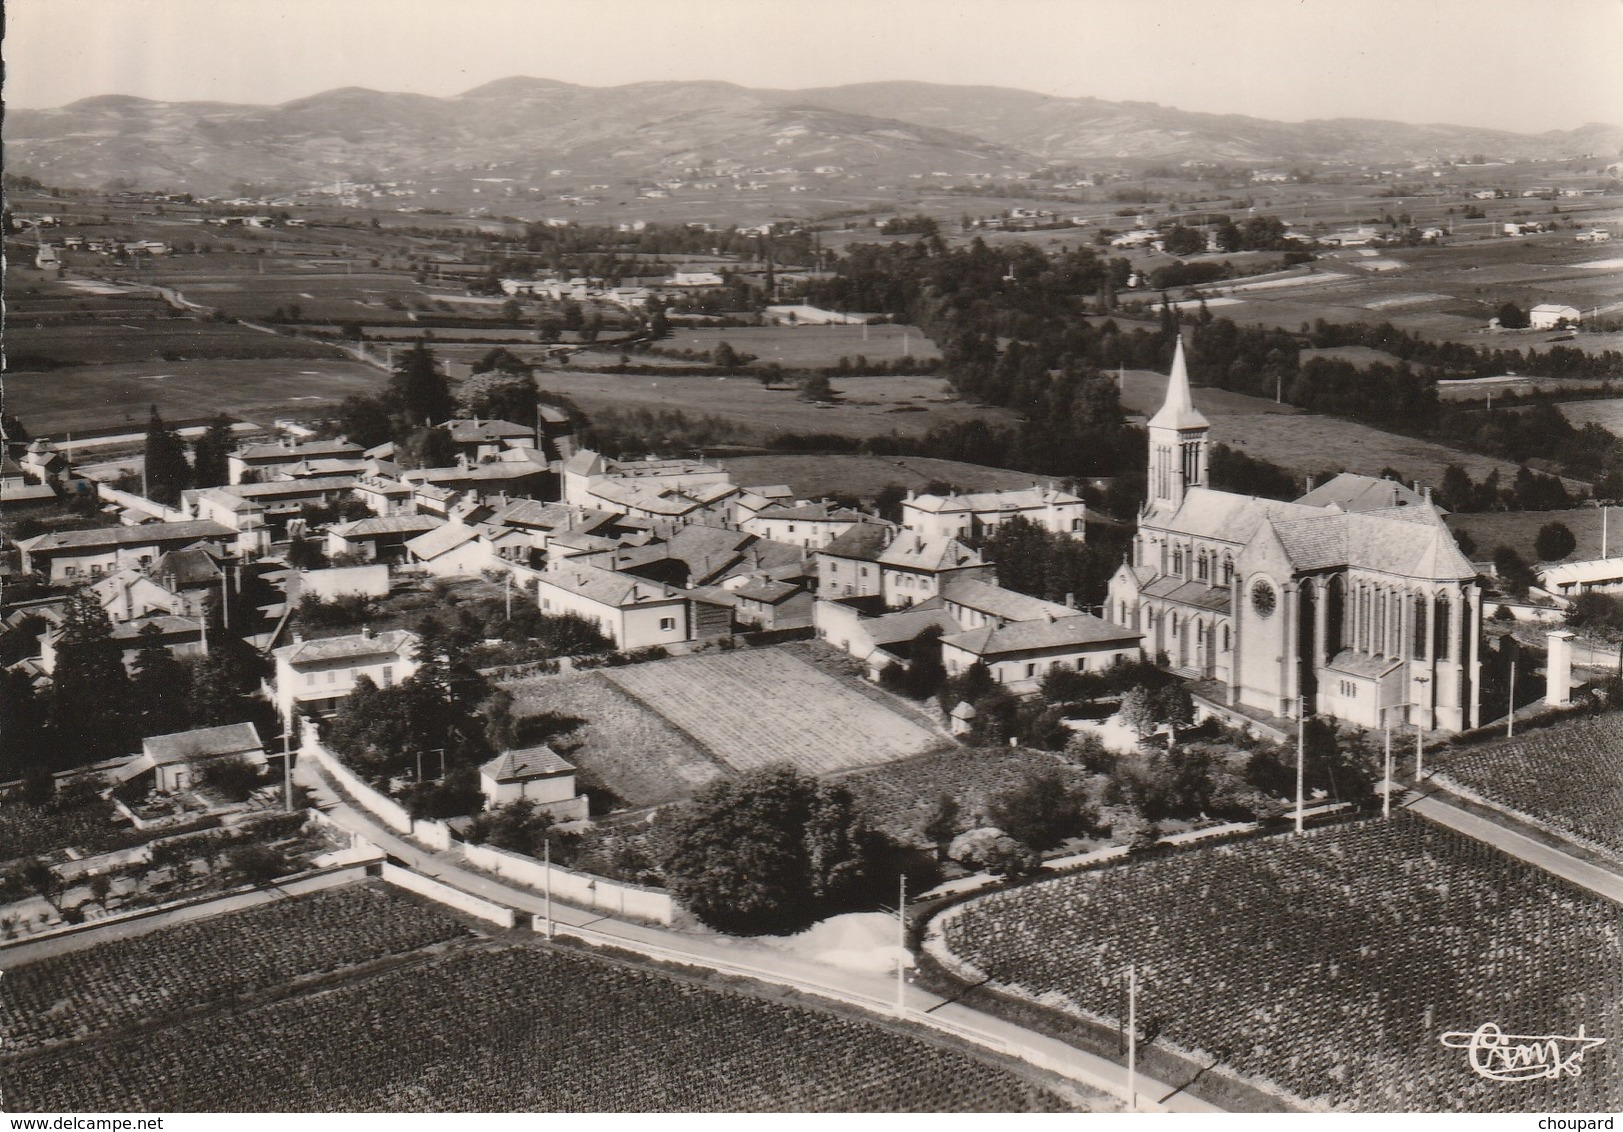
519 130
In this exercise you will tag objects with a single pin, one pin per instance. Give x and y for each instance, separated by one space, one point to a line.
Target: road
1602 882
745 957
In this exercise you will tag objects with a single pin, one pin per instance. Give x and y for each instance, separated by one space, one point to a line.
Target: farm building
632 612
1569 579
316 675
1370 615
176 761
539 774
1548 316
263 460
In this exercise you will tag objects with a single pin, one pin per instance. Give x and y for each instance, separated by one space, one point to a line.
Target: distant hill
523 128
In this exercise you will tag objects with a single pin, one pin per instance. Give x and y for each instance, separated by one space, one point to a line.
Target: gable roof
441 540
473 431
206 742
298 451
1408 541
910 552
1008 605
866 541
352 647
526 764
1351 492
127 536
1018 499
1228 517
378 525
608 588
1021 636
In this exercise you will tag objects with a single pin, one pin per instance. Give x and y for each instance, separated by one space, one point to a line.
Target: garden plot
759 707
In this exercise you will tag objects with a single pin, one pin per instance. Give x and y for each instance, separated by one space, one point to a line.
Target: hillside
519 130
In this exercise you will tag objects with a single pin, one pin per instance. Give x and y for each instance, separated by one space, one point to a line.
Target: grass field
1308 442
103 396
808 346
363 999
1607 414
81 343
869 406
1567 779
1327 966
812 477
756 707
615 740
1519 531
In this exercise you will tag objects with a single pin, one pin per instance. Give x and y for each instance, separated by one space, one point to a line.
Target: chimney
367 632
1070 601
1309 484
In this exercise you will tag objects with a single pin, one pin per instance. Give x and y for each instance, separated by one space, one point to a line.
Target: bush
234 777
1042 811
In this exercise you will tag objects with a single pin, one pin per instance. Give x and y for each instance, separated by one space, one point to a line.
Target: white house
1020 653
176 760
454 550
537 773
970 515
913 569
1569 579
809 525
317 675
1547 316
632 612
69 556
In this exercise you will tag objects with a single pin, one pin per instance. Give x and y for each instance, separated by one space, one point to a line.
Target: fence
575 888
451 897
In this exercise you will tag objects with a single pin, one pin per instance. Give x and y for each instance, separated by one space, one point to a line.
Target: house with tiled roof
263 461
1019 654
69 556
631 611
1353 601
809 525
538 774
975 514
177 760
914 568
453 550
483 439
848 566
316 675
379 538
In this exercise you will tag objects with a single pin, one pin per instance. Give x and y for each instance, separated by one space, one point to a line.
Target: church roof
1225 515
1178 410
1408 541
1352 492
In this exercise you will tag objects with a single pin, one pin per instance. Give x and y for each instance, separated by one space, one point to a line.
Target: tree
1514 573
1138 710
816 388
234 777
769 852
419 391
942 825
1555 541
499 394
1597 614
211 452
1042 811
161 686
90 690
1175 708
725 356
167 472
1512 317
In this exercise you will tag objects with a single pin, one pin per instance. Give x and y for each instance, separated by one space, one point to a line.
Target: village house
632 612
538 774
973 515
385 495
454 550
849 566
176 761
261 461
381 538
182 636
70 556
1019 654
1549 316
479 440
809 525
513 472
128 594
1570 579
315 676
913 569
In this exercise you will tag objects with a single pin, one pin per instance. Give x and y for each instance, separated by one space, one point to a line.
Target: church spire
1178 410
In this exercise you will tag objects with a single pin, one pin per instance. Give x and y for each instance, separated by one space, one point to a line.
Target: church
1352 602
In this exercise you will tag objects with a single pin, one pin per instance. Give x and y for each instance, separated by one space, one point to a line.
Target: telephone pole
901 949
1301 754
1132 1037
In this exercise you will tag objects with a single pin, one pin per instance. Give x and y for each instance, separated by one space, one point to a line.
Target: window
1031 670
667 624
546 603
1228 569
70 571
1076 524
332 676
309 679
1203 567
864 571
1225 638
1177 560
388 675
791 528
95 570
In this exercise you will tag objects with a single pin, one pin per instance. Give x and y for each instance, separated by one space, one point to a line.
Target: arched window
1173 625
1444 650
1177 561
1203 567
1225 638
1228 569
1419 635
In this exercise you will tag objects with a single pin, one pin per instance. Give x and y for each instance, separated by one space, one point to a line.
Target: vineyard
517 1029
762 706
87 823
1567 778
113 985
1327 966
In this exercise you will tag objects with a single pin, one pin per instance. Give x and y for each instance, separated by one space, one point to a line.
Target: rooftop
352 647
528 763
231 739
190 529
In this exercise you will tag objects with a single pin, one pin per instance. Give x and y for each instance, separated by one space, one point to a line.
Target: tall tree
90 690
420 392
167 472
211 452
161 686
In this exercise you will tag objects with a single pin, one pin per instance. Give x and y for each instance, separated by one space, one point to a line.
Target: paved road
1602 882
725 953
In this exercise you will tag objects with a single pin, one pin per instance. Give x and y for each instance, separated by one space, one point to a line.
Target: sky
1524 65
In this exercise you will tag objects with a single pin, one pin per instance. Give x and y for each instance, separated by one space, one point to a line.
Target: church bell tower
1178 442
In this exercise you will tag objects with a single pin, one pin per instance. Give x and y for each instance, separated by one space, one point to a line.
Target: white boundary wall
575 888
445 894
386 810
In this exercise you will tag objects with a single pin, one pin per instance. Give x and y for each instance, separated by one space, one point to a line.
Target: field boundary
442 893
703 748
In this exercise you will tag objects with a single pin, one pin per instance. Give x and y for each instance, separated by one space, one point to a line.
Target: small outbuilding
537 773
176 760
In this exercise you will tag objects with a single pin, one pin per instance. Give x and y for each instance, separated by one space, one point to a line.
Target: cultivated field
105 396
869 406
812 477
121 984
516 1029
1327 966
756 707
1308 442
1568 779
614 739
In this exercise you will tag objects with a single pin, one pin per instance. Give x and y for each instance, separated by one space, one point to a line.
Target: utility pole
507 588
1132 1037
1510 716
1301 754
287 768
901 949
1386 786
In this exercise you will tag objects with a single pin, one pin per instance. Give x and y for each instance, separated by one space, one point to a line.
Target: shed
537 773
